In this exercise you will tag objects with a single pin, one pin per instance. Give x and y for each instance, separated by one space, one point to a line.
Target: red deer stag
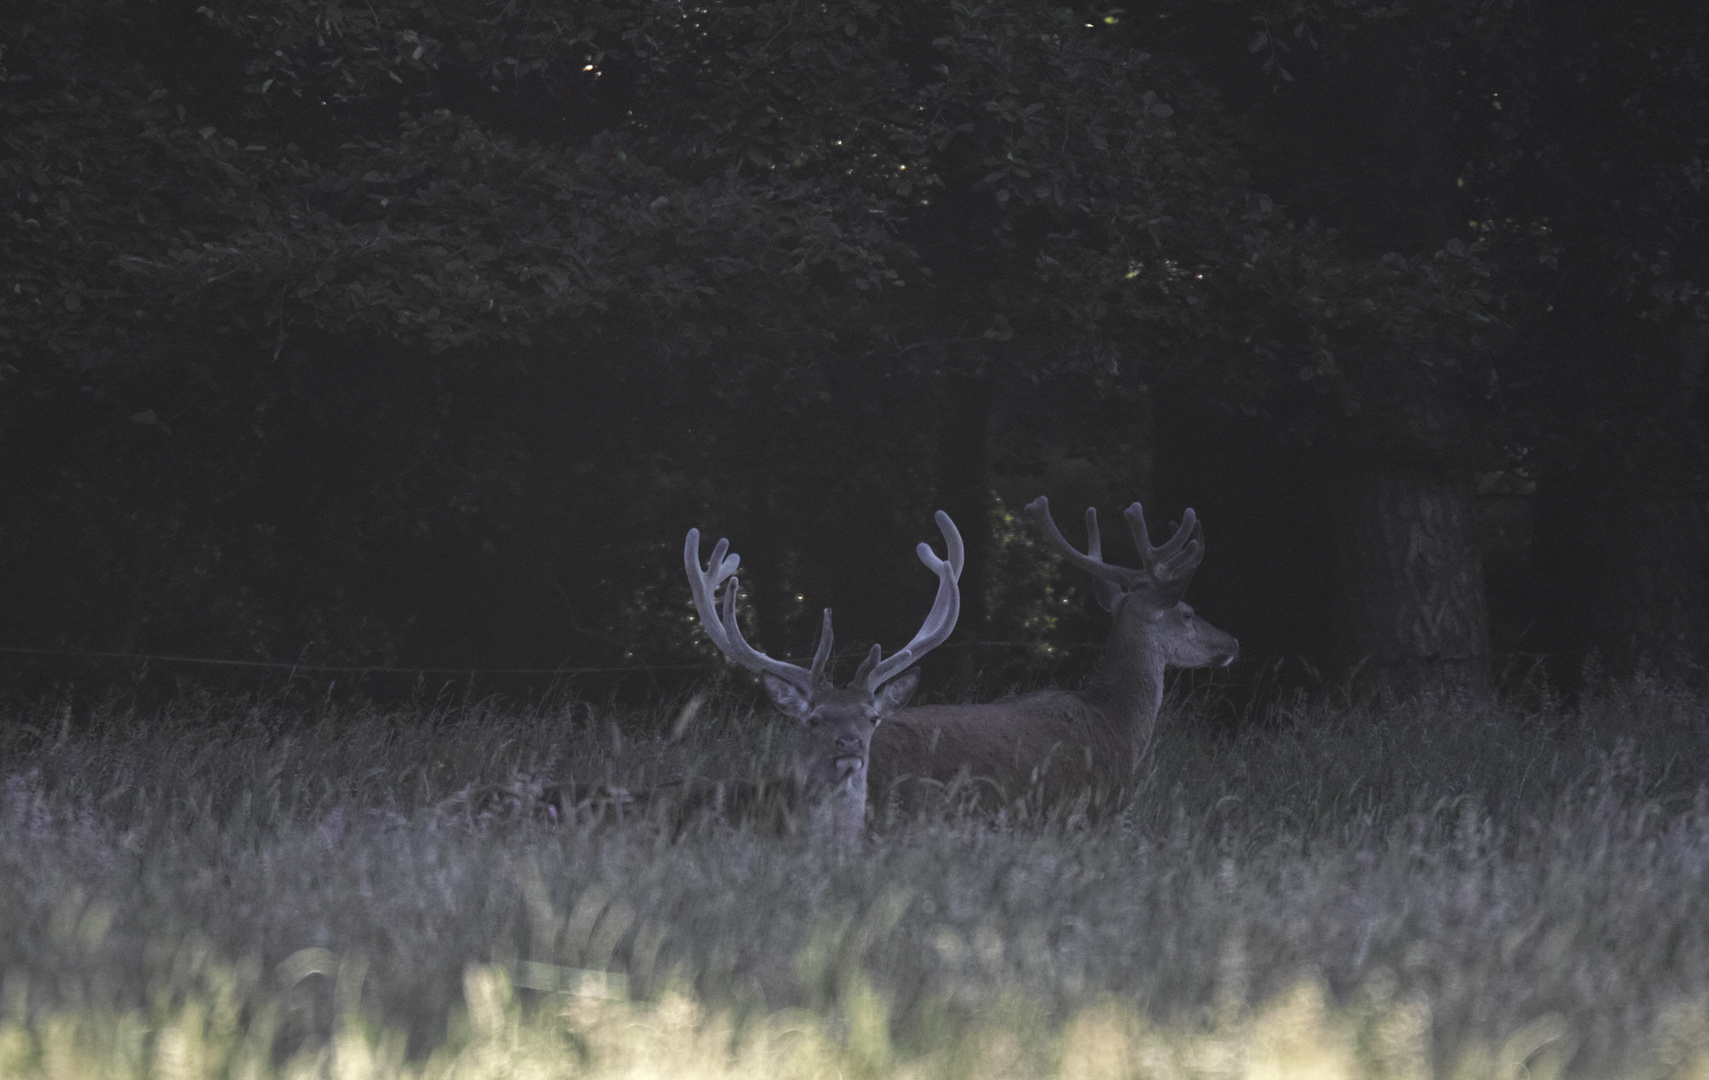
1056 743
824 787
828 777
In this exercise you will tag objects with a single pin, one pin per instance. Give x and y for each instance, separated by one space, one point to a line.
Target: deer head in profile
829 769
1153 622
1060 742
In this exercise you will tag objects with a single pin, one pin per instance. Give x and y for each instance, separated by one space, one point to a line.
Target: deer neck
1127 684
838 816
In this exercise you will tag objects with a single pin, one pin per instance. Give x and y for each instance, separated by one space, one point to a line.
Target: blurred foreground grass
1299 1035
258 888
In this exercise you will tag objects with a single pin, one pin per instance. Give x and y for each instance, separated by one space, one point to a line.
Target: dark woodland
407 335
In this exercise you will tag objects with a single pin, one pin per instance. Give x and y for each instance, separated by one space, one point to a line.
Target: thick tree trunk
964 492
1413 583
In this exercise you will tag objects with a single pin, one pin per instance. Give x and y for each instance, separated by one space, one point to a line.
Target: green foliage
1566 141
1026 179
315 313
144 229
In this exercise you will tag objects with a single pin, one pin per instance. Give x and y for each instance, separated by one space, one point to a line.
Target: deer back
1047 745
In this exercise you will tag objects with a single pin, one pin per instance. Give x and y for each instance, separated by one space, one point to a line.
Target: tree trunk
1412 578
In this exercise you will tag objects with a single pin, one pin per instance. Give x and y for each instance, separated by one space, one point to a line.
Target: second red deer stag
1057 743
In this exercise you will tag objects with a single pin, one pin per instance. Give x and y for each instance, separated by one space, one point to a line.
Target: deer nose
1229 657
850 745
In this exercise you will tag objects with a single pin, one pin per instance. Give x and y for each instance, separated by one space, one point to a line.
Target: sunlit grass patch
216 1032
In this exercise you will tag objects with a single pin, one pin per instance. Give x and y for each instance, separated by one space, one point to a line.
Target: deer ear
788 697
897 691
1107 593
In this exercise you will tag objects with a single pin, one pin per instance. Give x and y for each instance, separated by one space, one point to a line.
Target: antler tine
751 658
870 661
952 546
722 627
1094 539
703 582
1135 515
1092 562
822 654
1179 555
1180 565
940 622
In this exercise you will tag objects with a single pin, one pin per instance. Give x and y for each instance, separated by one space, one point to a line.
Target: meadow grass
255 887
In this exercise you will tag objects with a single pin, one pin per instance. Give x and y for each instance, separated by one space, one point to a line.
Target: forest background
415 334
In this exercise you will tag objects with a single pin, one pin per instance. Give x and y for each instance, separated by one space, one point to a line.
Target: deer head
837 722
1147 602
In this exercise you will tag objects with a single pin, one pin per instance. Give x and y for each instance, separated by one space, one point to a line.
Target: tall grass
1454 887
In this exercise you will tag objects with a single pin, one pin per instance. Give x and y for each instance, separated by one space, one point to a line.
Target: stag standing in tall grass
1057 744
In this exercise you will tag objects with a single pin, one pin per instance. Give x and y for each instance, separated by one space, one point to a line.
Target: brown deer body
1060 743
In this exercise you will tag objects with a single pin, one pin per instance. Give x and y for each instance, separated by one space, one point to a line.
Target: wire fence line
380 669
377 669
